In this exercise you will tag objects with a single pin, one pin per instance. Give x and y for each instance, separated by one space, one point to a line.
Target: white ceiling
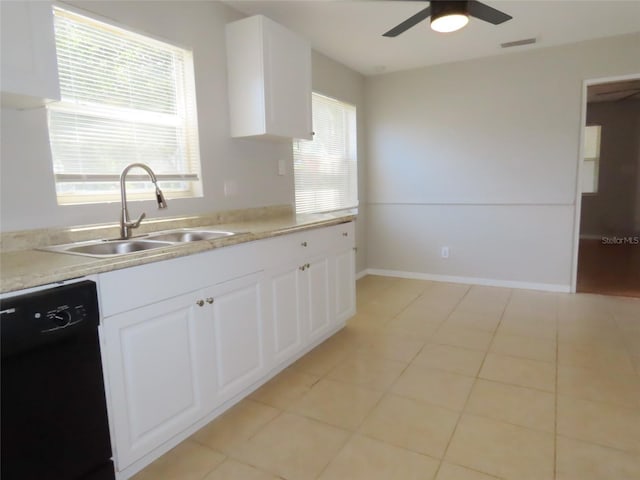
351 31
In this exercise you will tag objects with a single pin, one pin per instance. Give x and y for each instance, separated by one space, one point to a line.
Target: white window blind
325 168
125 98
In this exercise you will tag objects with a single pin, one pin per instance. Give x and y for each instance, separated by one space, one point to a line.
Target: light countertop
26 268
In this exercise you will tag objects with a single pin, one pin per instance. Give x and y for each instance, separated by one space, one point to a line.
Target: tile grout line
388 391
600 445
475 380
356 431
385 393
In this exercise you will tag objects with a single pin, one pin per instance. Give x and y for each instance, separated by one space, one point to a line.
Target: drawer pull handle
209 300
345 234
200 303
304 244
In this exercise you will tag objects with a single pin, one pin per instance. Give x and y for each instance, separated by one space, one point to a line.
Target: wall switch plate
282 167
444 252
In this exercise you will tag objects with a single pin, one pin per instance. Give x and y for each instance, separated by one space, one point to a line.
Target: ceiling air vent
518 43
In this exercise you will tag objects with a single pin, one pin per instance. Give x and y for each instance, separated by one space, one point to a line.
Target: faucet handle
136 223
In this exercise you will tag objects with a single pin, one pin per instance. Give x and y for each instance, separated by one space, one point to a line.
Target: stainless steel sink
112 248
181 236
107 248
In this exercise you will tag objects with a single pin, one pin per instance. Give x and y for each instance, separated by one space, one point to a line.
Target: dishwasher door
54 418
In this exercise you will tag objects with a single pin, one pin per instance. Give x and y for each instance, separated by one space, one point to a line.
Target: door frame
578 200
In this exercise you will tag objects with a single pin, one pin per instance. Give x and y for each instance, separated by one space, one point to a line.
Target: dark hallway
609 249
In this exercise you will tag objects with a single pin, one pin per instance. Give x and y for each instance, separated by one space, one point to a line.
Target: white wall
481 156
28 194
27 190
335 80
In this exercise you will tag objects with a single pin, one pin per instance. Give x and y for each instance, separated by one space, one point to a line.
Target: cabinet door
287 64
319 298
345 283
269 78
286 312
236 307
159 372
29 66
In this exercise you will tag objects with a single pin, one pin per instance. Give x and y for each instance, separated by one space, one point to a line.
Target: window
125 98
325 168
591 161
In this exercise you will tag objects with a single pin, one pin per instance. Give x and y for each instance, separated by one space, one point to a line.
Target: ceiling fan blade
486 13
408 23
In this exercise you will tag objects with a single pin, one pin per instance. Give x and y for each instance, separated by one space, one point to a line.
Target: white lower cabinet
318 299
345 284
159 361
286 302
172 364
236 311
301 306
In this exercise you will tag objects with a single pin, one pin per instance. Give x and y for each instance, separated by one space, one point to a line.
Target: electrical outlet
444 252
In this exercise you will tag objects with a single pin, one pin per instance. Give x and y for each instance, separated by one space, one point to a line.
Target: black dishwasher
54 417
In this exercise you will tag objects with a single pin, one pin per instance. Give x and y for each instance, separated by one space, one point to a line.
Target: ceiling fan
449 16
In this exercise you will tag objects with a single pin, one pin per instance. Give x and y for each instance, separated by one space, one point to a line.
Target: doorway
608 257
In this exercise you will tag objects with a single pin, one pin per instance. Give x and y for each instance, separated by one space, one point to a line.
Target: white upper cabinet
269 76
28 54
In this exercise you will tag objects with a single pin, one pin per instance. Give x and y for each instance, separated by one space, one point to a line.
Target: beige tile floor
437 381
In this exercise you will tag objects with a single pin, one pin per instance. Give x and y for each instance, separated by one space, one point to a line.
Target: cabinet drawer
343 236
322 240
308 243
129 288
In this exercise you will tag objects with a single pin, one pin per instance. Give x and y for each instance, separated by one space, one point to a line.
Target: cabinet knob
308 266
302 268
209 300
200 303
345 234
304 244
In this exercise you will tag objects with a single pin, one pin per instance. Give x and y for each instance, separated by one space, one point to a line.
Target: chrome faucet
127 225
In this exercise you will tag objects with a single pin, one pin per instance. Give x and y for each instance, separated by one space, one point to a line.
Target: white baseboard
362 273
547 287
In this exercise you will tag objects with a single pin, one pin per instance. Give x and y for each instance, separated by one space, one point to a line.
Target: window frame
188 141
593 160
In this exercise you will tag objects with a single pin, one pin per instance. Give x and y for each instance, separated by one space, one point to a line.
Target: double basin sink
111 248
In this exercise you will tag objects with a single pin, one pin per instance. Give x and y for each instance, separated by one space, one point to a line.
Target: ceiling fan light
449 22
